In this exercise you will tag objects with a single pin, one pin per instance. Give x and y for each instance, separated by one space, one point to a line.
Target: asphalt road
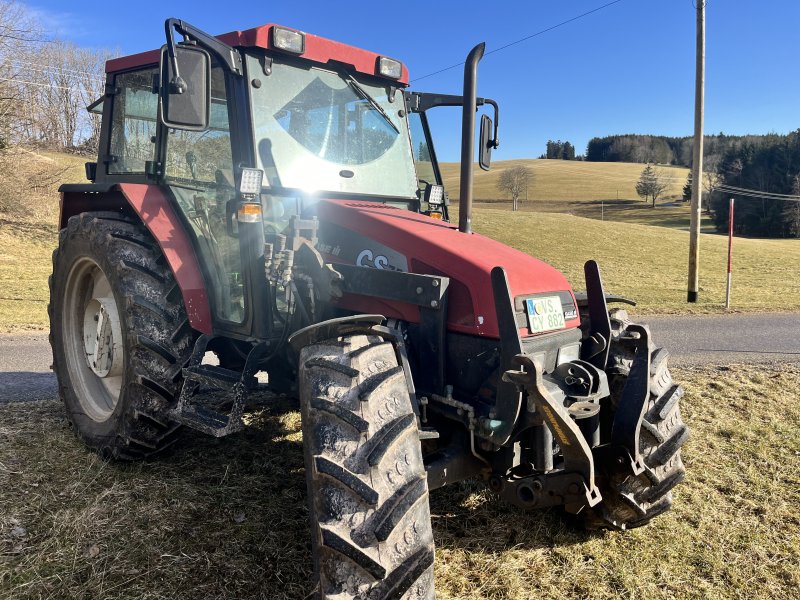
718 340
728 339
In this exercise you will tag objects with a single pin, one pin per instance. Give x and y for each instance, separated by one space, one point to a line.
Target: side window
422 151
133 122
203 158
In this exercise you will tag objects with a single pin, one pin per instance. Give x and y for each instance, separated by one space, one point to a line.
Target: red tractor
274 198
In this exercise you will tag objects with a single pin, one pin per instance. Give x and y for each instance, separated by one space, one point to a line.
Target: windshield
318 129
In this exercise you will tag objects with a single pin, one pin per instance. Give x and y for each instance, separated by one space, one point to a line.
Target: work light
389 67
289 40
250 182
434 194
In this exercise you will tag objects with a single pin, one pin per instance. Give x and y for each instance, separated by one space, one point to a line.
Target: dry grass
227 518
566 180
649 264
603 191
28 219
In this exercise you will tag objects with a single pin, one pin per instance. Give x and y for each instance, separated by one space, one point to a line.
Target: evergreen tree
687 188
651 184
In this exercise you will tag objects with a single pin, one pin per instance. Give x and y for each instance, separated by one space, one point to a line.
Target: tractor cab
262 125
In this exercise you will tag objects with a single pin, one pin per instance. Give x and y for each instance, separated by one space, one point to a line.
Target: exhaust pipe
468 136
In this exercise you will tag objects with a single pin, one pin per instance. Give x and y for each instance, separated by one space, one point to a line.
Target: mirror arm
227 55
496 140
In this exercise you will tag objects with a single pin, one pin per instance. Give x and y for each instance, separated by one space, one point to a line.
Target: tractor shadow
468 516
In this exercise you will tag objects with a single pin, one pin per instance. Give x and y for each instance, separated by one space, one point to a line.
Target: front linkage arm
577 454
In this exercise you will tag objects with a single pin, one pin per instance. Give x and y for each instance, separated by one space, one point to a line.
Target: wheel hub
94 347
102 337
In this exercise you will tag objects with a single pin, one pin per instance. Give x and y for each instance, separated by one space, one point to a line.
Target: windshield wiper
365 96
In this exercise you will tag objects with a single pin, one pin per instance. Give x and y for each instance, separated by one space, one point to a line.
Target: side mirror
185 89
486 143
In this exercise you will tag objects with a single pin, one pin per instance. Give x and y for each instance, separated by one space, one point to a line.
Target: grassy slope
593 190
227 518
646 263
26 245
649 264
566 179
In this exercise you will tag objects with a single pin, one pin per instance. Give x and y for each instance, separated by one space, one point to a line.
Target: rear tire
109 262
367 488
634 500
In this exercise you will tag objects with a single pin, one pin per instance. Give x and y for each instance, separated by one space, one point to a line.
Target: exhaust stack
468 136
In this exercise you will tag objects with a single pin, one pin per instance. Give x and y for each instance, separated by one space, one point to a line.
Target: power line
30 66
47 85
755 194
732 188
528 37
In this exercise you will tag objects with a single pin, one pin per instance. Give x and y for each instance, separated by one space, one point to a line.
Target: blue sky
628 68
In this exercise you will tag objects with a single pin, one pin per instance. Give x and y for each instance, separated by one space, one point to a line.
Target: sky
628 68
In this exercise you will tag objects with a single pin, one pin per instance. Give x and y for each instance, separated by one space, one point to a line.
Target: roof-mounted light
389 67
289 40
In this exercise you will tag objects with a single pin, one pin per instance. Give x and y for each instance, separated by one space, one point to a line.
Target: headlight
289 40
389 67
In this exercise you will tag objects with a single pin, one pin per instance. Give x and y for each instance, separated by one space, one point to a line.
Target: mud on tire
632 501
367 488
156 336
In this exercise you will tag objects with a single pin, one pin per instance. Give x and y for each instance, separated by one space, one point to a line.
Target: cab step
202 381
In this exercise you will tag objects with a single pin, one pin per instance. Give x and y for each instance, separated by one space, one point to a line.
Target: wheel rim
93 343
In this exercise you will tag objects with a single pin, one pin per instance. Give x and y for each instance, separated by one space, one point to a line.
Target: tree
19 38
514 181
791 213
559 150
687 188
651 184
64 80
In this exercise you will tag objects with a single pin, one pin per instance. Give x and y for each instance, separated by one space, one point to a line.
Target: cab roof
317 49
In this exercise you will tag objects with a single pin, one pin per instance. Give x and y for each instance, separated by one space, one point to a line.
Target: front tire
634 500
119 334
367 488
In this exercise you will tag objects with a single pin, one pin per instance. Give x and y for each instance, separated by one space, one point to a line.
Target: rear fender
152 206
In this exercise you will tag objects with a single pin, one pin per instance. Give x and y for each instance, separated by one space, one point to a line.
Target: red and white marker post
730 254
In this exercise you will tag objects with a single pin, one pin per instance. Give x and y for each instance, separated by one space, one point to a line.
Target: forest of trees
660 149
560 150
769 164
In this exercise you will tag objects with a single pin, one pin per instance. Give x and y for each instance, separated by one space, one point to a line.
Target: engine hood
385 237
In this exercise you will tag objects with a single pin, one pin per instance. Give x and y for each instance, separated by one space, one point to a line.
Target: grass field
642 261
604 191
649 264
566 180
227 518
28 237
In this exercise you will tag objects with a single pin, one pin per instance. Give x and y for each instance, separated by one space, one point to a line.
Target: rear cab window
133 122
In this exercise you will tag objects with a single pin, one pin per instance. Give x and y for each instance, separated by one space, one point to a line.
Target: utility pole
697 156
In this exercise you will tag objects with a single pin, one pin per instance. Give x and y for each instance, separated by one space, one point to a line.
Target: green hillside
565 180
644 262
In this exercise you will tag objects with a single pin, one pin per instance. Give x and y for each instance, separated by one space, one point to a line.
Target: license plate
544 314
